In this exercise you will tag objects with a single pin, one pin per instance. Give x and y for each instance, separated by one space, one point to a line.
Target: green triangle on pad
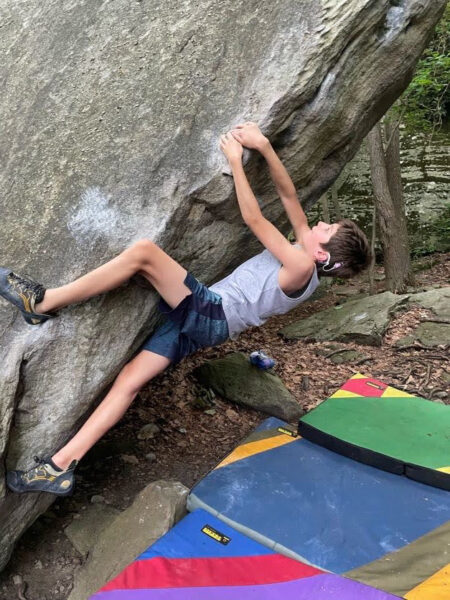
376 424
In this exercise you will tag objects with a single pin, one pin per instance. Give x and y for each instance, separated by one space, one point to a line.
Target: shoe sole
4 285
31 317
20 491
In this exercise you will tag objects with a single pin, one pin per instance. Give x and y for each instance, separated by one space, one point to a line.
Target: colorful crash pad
202 558
318 506
413 569
379 425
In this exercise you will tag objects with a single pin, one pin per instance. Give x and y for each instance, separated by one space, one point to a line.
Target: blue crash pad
320 507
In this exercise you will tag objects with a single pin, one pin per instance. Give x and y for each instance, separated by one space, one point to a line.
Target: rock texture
431 333
437 300
428 334
155 510
425 176
235 379
360 320
109 119
85 528
348 356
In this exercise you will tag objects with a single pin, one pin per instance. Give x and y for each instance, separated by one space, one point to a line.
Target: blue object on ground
261 360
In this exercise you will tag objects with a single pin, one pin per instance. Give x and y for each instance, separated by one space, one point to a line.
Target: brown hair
349 251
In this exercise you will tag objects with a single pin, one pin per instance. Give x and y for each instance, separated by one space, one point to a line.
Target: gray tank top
251 293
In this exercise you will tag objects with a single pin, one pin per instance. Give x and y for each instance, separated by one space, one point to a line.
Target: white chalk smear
94 218
361 316
389 543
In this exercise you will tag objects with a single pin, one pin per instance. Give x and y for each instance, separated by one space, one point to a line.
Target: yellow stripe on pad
436 587
391 392
444 470
345 394
257 447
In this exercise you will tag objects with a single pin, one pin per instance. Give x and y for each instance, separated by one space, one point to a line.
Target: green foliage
420 265
425 105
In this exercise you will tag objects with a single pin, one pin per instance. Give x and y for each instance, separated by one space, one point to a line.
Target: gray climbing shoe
44 477
23 293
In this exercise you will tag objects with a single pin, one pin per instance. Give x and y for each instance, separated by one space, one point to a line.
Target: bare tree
388 194
335 200
372 250
325 208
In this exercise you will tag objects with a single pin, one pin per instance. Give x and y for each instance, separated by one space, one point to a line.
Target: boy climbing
273 282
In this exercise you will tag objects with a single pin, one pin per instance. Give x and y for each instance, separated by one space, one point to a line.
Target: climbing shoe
24 294
44 477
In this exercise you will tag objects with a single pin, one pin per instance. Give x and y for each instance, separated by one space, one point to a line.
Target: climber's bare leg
143 257
130 380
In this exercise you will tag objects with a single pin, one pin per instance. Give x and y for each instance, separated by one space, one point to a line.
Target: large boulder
109 119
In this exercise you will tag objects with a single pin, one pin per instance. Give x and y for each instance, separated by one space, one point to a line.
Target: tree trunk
335 201
372 250
396 255
325 208
394 177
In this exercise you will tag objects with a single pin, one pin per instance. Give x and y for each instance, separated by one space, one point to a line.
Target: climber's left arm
250 136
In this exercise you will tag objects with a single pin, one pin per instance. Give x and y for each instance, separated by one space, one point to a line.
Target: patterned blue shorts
197 322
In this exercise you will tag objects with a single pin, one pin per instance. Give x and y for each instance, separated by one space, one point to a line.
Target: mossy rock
347 356
360 320
236 379
428 334
437 300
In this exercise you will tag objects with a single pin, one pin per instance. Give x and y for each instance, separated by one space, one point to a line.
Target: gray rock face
109 120
362 321
234 378
428 334
155 510
437 300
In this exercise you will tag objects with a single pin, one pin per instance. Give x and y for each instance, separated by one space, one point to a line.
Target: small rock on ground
84 531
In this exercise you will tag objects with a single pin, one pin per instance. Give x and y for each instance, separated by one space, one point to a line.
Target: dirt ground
190 441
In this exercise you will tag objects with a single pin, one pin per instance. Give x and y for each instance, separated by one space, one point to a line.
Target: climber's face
318 235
